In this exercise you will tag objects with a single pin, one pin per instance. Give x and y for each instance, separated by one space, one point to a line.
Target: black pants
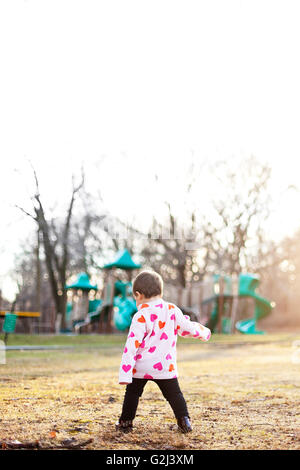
169 388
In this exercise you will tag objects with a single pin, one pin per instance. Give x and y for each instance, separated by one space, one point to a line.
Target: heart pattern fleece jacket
150 349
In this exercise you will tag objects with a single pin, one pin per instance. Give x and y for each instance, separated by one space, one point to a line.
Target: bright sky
141 86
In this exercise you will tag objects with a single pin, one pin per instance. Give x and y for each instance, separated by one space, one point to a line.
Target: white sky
140 86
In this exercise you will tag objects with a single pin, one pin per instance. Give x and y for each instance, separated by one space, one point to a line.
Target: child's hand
124 383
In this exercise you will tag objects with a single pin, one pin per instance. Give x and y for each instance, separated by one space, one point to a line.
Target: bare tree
216 237
239 213
55 244
31 277
177 245
173 252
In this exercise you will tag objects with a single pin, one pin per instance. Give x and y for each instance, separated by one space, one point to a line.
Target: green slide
125 308
247 285
124 305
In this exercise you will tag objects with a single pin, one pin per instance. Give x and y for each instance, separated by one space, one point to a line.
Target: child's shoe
184 424
124 426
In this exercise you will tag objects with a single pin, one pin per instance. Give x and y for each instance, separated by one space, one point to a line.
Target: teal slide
124 309
124 305
247 285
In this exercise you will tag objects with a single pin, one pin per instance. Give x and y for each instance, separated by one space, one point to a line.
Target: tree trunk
62 302
181 271
38 277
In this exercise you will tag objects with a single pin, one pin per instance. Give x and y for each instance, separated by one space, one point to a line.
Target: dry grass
241 395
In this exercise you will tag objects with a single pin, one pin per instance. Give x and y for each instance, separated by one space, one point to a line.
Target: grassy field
243 392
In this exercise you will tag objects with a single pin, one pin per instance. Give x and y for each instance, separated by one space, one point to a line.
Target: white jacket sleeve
187 328
135 338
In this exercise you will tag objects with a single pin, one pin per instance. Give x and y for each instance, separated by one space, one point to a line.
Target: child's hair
148 283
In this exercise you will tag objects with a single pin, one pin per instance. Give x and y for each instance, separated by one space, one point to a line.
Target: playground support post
109 299
235 294
220 304
179 296
189 299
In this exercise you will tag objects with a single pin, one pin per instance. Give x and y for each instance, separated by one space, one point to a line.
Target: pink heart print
153 317
164 336
196 334
152 349
142 345
184 333
131 335
138 356
168 356
173 317
158 366
159 305
175 332
152 334
147 376
126 368
125 350
173 344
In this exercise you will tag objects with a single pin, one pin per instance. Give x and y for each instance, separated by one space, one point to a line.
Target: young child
150 350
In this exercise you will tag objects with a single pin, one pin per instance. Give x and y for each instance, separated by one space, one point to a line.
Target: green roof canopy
83 283
122 260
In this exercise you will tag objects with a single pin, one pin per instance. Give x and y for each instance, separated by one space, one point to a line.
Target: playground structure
224 303
117 303
221 302
80 305
228 294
